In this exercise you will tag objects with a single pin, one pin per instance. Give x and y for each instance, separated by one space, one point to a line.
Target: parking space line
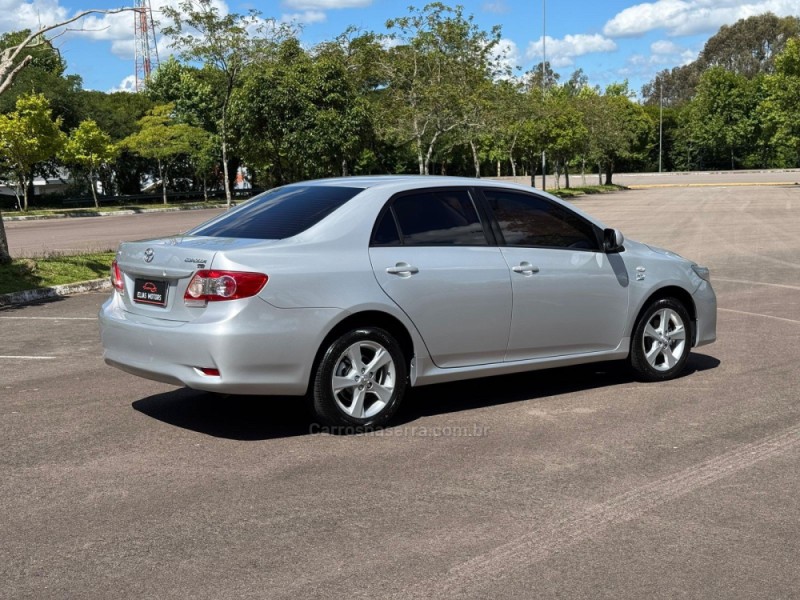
778 285
752 314
28 357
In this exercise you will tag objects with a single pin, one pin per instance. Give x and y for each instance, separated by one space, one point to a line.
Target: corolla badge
148 255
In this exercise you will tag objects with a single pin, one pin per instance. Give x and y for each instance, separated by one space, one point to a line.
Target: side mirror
613 240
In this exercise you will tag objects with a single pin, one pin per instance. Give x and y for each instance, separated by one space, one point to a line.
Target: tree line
432 94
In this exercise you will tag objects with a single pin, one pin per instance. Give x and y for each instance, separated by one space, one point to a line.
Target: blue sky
611 40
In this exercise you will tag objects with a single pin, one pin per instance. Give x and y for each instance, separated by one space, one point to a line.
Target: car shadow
258 418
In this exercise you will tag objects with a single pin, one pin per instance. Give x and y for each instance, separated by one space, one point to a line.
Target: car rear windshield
279 213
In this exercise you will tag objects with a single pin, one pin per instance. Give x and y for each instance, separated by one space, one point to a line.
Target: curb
67 289
114 213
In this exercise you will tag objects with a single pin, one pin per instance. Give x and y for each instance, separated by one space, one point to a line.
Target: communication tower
146 50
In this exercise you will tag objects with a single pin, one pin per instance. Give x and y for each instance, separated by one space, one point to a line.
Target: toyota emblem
148 255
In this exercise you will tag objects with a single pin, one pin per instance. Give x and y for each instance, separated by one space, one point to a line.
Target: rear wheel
661 341
360 380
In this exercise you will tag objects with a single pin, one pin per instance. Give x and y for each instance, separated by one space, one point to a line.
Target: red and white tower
145 42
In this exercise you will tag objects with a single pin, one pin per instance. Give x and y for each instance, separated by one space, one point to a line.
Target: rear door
432 255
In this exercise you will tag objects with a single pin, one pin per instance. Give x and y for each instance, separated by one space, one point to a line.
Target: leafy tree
28 136
747 48
431 75
618 129
161 139
226 43
45 74
88 148
301 114
14 59
721 114
780 109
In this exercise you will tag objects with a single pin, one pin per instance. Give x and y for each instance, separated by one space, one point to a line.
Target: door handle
403 269
526 268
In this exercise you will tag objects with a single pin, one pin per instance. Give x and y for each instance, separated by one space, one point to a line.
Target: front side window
528 220
280 213
438 218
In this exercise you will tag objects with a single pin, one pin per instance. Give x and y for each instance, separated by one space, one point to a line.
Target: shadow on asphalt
14 307
254 418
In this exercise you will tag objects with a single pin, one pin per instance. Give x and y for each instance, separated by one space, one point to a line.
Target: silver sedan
347 291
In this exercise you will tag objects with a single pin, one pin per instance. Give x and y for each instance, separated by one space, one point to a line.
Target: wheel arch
671 291
368 318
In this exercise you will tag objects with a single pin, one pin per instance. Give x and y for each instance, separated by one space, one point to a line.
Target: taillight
214 286
116 277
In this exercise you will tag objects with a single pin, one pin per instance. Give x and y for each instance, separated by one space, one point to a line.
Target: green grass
32 273
589 189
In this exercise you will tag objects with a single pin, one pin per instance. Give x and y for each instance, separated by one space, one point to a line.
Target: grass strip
586 190
33 273
105 209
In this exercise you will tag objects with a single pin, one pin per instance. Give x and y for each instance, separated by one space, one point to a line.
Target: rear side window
437 218
279 213
527 220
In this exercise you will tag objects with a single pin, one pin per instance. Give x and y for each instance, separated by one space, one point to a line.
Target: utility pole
544 86
660 119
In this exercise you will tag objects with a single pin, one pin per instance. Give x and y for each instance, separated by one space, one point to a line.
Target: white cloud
665 47
562 52
126 85
306 17
687 17
325 4
499 7
507 54
16 15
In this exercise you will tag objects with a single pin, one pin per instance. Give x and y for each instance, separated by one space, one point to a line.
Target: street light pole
660 119
544 86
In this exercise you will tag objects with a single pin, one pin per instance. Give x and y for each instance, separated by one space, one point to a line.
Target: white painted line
52 318
28 357
752 314
778 285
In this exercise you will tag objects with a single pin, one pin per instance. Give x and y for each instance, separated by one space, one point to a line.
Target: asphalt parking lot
572 483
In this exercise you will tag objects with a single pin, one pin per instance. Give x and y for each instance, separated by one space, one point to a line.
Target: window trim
501 241
472 193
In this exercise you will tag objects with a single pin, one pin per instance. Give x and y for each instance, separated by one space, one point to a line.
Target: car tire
661 341
360 380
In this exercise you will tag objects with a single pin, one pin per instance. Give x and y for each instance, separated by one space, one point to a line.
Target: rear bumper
705 301
257 349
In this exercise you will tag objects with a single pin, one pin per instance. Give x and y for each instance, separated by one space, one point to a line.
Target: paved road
681 179
574 483
35 238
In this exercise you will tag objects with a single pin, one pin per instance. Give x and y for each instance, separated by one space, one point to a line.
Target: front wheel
360 380
661 341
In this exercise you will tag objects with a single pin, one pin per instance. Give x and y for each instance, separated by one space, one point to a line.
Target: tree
301 114
721 115
780 110
13 61
88 148
227 43
747 48
432 73
28 136
161 139
618 129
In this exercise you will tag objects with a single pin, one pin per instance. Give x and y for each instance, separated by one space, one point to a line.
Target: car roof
411 181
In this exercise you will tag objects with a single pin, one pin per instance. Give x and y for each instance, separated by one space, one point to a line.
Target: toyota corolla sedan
347 291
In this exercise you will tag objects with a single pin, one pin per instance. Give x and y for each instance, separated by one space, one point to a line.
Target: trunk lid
159 270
